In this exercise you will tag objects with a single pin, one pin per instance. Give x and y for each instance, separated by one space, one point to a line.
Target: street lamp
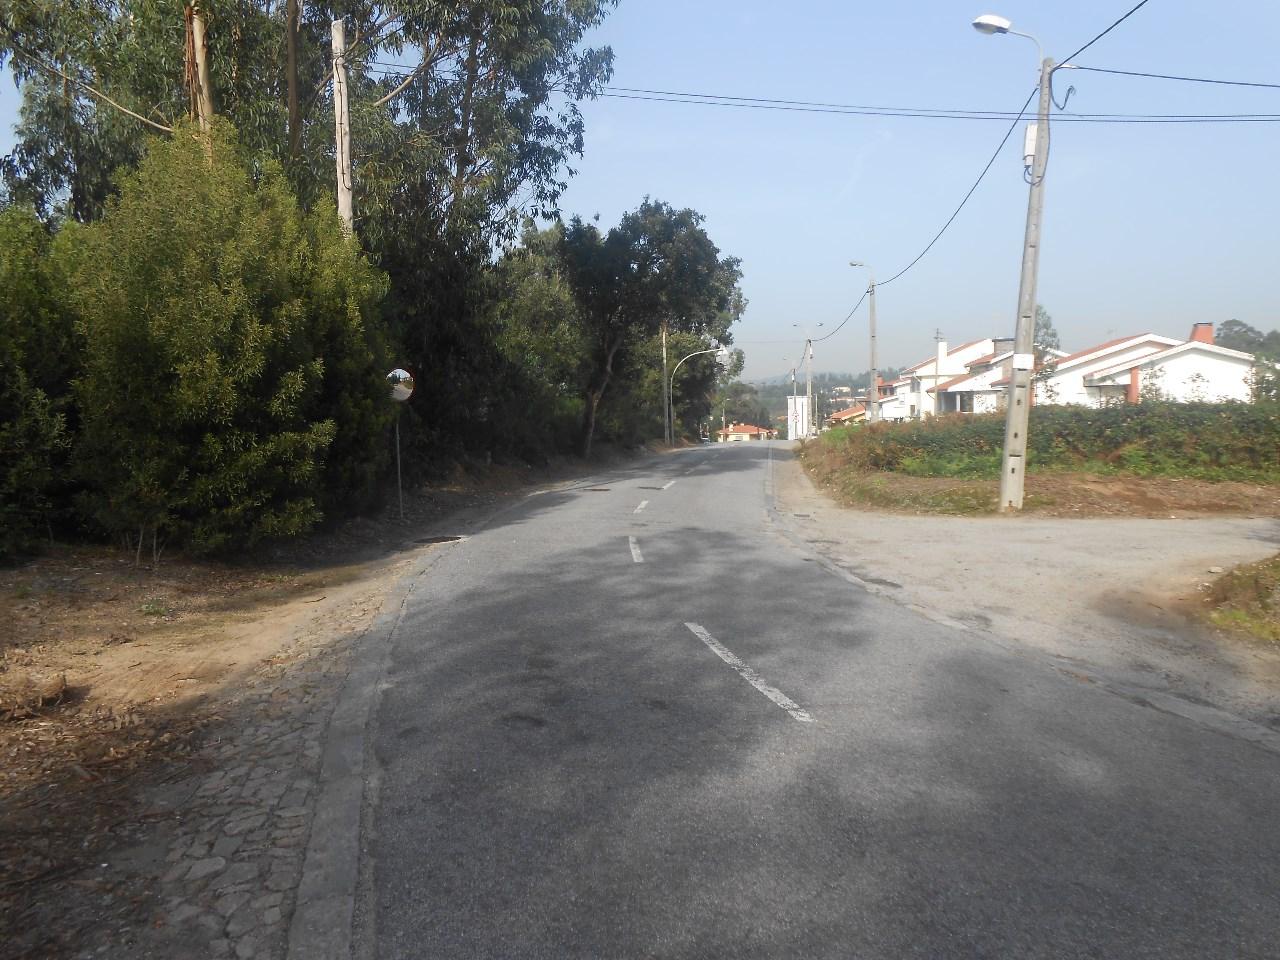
873 391
722 358
1018 412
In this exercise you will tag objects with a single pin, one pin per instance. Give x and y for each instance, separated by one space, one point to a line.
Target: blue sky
1147 226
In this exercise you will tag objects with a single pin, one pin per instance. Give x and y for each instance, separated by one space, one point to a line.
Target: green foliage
1201 440
656 269
230 345
36 351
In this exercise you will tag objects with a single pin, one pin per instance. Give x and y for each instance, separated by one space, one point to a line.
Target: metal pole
342 126
399 487
1018 412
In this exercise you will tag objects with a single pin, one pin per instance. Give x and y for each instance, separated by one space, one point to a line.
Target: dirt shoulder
1119 592
126 692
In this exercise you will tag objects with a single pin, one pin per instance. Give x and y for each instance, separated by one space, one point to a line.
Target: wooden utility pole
342 126
198 68
291 77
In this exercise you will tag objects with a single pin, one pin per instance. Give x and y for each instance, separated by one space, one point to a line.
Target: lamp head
856 263
991 24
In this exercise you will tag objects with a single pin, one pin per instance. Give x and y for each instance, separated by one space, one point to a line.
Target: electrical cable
1168 76
1003 140
1136 8
695 100
847 318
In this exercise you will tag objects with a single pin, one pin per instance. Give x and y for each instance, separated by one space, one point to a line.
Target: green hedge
1211 441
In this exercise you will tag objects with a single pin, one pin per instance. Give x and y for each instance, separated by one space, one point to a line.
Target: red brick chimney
1202 333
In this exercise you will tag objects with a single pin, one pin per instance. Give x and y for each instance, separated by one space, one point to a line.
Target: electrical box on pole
1029 145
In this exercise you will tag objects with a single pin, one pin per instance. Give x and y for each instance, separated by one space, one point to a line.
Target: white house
913 395
1118 371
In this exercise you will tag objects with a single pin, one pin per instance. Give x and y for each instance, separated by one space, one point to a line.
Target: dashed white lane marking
749 675
643 504
667 485
635 550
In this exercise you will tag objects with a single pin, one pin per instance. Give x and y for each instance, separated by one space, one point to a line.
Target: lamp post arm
697 354
671 386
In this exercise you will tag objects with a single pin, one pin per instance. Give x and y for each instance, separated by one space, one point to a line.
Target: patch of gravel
1116 593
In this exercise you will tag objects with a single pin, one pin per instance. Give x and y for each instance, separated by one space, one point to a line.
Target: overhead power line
1000 146
1135 9
712 100
1168 76
950 220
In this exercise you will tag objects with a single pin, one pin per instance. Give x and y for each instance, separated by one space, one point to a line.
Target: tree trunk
198 68
291 77
594 393
589 423
462 143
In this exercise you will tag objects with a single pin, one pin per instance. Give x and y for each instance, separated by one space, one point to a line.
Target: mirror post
400 383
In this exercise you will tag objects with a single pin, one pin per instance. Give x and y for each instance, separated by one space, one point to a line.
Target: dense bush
231 351
1208 441
36 367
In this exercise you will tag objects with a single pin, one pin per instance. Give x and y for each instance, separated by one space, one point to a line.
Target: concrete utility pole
808 387
1018 412
342 127
873 392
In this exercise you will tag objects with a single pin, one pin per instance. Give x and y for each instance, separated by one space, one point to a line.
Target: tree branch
97 93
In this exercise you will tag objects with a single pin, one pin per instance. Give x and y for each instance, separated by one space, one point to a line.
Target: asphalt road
630 719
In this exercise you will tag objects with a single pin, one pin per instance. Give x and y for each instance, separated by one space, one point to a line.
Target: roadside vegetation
192 347
951 465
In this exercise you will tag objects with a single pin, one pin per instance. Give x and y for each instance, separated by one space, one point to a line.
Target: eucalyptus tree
657 267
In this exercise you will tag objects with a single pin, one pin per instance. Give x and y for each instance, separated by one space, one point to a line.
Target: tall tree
657 266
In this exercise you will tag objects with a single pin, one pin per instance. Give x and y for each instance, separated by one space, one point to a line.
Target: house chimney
942 354
1133 394
1202 333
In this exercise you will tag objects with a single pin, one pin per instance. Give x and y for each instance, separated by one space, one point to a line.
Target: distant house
914 394
854 414
739 432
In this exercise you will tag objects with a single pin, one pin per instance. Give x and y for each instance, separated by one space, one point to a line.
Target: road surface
634 718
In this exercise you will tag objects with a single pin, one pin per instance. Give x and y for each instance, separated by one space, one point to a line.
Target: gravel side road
1111 592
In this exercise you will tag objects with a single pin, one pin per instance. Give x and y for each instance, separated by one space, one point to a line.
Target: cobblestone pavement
217 866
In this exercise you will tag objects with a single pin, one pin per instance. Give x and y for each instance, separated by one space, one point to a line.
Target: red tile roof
963 346
951 383
1100 348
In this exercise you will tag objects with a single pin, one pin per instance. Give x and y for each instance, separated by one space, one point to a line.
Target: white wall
1224 378
1068 386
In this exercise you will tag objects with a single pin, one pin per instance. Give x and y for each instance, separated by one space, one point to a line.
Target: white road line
667 485
749 675
643 504
635 550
